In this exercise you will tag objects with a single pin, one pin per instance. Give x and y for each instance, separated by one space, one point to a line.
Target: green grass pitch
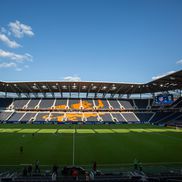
105 144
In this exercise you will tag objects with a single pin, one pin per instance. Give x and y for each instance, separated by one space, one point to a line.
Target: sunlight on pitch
28 131
9 130
120 130
66 131
89 131
103 131
47 131
85 131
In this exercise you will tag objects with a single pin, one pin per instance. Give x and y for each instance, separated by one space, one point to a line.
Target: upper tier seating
101 104
46 103
33 103
141 104
20 103
126 104
115 104
74 104
61 104
5 102
87 104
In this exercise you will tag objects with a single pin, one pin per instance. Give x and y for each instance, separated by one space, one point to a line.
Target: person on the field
135 164
37 169
54 176
25 171
94 166
29 170
74 174
140 166
21 149
55 169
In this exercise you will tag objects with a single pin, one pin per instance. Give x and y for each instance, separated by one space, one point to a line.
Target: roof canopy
166 83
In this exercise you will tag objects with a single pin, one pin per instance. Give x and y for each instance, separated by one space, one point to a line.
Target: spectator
25 171
74 174
91 176
140 166
37 169
54 176
95 166
29 170
135 163
87 177
55 169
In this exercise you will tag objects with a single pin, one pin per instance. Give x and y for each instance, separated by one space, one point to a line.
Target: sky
90 40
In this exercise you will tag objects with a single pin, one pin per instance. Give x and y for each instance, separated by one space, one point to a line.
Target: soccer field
84 144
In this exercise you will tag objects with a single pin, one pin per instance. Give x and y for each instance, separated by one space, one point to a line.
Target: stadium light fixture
54 87
44 87
74 87
113 88
103 88
64 87
34 87
84 87
94 87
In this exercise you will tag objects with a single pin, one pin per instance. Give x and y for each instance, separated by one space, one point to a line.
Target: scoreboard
164 99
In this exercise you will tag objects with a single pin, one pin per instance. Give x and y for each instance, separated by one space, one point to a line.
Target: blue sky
91 40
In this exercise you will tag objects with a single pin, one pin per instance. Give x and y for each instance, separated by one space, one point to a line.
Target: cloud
8 65
72 78
15 57
19 30
160 76
8 42
179 61
18 69
5 31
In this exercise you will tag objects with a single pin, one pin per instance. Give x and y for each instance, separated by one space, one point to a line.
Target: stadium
80 124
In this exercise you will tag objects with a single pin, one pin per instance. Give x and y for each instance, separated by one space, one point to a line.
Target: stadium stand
5 102
46 103
126 104
15 117
144 117
106 117
115 104
140 111
119 117
4 116
141 103
119 107
28 116
130 117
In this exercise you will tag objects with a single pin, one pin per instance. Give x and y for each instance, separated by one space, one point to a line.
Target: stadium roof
169 82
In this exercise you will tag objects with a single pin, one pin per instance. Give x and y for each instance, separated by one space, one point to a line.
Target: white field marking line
117 164
74 147
163 134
